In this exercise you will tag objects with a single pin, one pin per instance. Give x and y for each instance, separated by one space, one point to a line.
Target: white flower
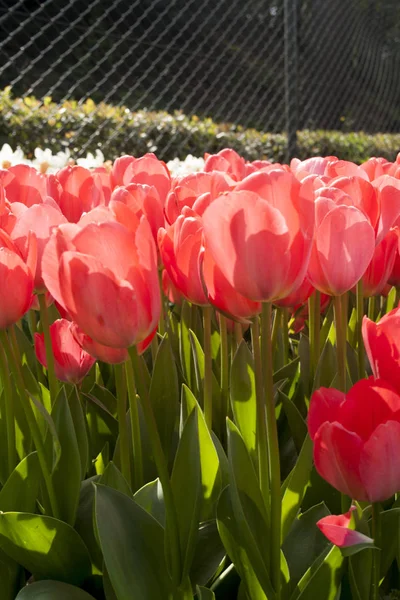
91 162
180 168
8 157
47 162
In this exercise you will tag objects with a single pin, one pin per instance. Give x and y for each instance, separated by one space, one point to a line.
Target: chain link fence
273 65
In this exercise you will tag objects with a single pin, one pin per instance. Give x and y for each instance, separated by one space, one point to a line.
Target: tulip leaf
322 579
108 588
296 486
185 347
102 459
49 590
66 476
360 570
304 356
203 593
164 394
54 452
186 485
80 427
231 532
243 396
112 477
304 542
21 489
297 426
11 577
390 523
151 498
133 547
102 425
209 553
45 546
84 523
326 367
288 371
198 355
210 469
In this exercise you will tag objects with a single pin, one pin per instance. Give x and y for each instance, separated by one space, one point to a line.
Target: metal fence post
291 100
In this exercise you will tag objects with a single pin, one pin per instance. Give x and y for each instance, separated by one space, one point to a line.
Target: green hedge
30 123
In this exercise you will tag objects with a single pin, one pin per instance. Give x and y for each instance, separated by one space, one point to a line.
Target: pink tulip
382 344
71 362
337 529
81 191
228 161
146 170
141 200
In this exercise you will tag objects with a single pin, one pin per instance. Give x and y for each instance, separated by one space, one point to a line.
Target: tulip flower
16 280
24 184
337 529
71 362
227 161
141 200
146 170
357 439
260 235
105 276
180 247
81 191
382 344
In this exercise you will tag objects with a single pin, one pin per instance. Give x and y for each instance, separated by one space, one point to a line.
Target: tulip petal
336 529
379 462
337 457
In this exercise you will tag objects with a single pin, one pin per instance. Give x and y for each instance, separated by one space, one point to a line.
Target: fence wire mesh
269 64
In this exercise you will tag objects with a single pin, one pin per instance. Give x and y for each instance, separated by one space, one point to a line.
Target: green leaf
304 542
11 577
211 479
327 366
112 477
186 488
203 593
54 442
209 553
198 356
322 579
296 487
49 590
297 426
288 371
390 538
164 394
102 459
102 426
47 547
151 498
80 427
21 488
185 348
84 523
133 547
66 475
248 507
243 397
228 528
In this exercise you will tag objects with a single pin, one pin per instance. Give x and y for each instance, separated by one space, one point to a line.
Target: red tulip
147 170
228 161
71 362
259 236
187 190
382 343
343 247
16 280
105 276
357 439
82 190
180 247
337 529
394 278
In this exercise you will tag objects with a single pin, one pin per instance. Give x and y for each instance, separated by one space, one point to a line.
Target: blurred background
277 66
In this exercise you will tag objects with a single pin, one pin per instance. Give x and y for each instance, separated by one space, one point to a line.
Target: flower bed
200 376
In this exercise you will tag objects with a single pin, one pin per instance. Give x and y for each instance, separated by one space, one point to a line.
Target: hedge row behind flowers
185 406
30 123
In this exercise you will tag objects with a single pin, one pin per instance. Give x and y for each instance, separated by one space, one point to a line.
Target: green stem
154 350
120 383
285 331
33 426
273 445
208 407
360 342
371 308
162 469
314 332
135 427
10 412
164 306
376 565
261 428
340 343
224 369
44 317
